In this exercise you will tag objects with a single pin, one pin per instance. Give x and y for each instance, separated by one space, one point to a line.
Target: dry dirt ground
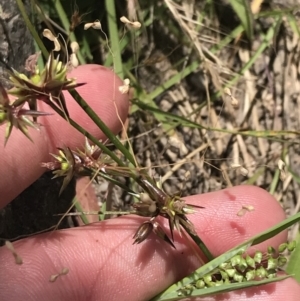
265 98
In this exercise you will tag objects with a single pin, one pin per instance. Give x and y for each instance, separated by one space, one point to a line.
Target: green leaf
293 266
172 292
217 289
243 10
294 24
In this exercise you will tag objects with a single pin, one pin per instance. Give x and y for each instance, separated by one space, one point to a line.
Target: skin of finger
104 265
21 159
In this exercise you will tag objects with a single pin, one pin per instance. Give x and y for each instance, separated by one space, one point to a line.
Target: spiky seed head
143 232
158 230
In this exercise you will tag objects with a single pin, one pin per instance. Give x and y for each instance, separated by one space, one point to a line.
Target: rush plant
233 270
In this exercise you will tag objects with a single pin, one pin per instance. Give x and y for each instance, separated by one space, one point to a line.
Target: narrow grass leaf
31 28
274 230
217 289
78 207
114 37
294 24
172 291
294 262
243 10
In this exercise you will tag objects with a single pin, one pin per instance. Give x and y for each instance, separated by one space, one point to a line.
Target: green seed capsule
291 246
207 279
219 283
250 275
236 260
258 257
227 281
250 261
271 250
281 261
224 275
65 166
243 265
272 274
282 247
223 265
272 263
211 284
200 284
238 277
230 272
261 273
188 289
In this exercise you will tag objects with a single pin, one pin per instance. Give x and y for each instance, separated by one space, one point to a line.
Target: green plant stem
66 24
32 29
102 126
199 243
79 128
114 37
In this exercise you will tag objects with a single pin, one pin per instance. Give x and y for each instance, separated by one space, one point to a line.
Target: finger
266 213
104 265
21 159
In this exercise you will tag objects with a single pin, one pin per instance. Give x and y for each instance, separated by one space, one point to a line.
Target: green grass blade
32 30
294 24
293 266
172 291
78 207
243 10
275 230
114 37
80 129
266 41
175 295
199 273
274 182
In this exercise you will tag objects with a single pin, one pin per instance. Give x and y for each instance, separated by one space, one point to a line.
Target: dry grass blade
18 258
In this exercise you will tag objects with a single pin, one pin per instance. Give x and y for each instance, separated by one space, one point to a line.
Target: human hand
103 264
